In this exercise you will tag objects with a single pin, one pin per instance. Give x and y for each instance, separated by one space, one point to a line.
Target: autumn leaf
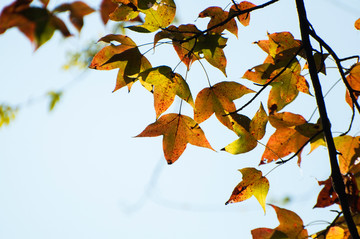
319 59
258 123
354 81
327 195
37 24
218 15
78 10
158 14
357 24
166 84
252 184
286 139
107 7
242 6
218 99
54 99
177 131
349 148
246 141
291 226
125 56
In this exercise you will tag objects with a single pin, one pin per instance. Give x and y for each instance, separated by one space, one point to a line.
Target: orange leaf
354 81
258 123
107 7
217 16
77 10
126 57
357 24
252 184
166 84
349 148
178 130
243 18
291 226
218 99
327 195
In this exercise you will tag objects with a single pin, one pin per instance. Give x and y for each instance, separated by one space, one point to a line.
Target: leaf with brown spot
252 184
178 130
243 18
218 15
218 99
291 226
166 84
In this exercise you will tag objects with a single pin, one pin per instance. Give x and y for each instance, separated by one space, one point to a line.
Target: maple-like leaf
280 46
190 48
319 59
246 141
126 57
177 131
349 148
78 10
286 139
218 15
107 7
291 226
354 81
158 14
219 99
252 184
357 24
243 18
36 23
166 84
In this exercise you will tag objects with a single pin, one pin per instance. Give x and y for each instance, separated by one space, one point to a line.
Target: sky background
78 171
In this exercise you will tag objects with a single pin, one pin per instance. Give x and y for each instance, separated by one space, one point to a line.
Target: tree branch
336 176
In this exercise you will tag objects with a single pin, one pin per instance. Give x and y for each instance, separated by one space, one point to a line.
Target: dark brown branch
338 64
336 176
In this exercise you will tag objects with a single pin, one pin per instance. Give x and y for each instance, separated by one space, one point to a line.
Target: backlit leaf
354 81
243 18
126 57
166 84
54 99
78 10
217 16
252 184
158 14
107 7
327 195
357 24
349 148
7 114
291 226
178 130
218 99
258 123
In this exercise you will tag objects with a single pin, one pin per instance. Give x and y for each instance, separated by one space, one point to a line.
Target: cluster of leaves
7 114
281 70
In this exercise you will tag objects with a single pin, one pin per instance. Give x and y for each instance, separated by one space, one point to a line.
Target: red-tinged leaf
166 84
349 148
282 143
258 123
243 18
218 99
185 50
126 57
286 120
107 7
157 15
291 226
178 130
280 46
246 141
217 16
77 10
38 24
354 81
327 195
357 24
252 184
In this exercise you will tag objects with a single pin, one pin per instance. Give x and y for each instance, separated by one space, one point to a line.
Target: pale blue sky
77 172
